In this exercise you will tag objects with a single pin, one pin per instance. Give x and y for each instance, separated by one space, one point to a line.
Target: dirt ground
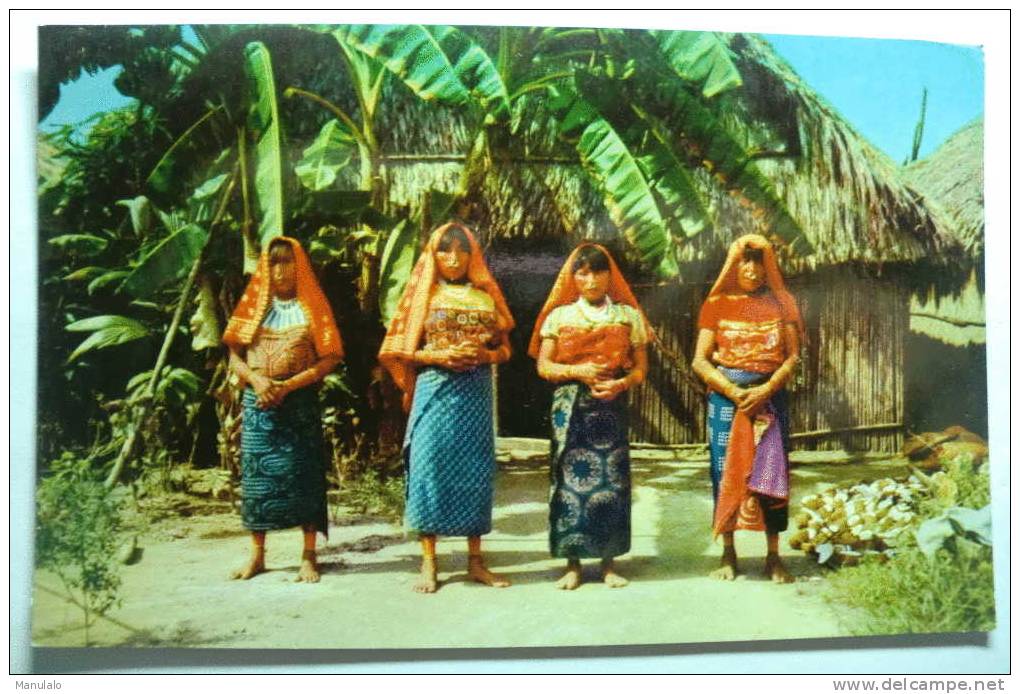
178 595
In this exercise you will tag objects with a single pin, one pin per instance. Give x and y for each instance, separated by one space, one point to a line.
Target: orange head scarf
727 283
565 292
250 311
404 334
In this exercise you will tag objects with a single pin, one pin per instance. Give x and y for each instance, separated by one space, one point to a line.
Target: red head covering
565 292
250 311
404 334
727 282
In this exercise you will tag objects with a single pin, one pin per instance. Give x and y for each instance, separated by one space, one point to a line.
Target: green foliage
332 150
106 332
952 592
168 261
264 121
628 195
395 268
77 535
944 582
702 57
952 526
84 245
413 54
371 493
141 214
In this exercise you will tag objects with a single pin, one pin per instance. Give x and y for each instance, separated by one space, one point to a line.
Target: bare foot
477 571
727 570
427 581
255 566
572 578
309 571
610 577
775 569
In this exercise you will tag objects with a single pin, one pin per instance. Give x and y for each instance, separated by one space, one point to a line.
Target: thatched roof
952 183
848 197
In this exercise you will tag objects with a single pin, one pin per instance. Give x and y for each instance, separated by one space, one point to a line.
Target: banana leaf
700 56
398 258
264 121
332 150
106 331
169 261
410 53
141 214
85 245
733 166
680 200
628 196
475 70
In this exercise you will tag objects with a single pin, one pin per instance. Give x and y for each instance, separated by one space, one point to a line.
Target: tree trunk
141 410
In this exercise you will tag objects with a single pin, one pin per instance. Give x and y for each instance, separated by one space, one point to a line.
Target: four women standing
590 339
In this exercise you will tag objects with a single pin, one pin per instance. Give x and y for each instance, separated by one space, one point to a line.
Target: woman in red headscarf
451 324
591 339
749 339
283 340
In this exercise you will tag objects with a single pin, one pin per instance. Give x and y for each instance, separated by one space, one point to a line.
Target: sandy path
177 594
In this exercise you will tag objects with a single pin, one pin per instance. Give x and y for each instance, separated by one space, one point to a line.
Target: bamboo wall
850 376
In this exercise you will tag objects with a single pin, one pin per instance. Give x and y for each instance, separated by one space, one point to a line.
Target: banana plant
648 184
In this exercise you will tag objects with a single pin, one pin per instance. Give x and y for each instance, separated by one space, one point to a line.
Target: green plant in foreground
370 493
77 535
913 594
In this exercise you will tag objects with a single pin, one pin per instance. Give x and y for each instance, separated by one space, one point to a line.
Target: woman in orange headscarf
451 324
591 339
750 332
283 340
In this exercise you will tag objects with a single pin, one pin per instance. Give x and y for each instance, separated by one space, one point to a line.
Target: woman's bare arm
313 374
791 344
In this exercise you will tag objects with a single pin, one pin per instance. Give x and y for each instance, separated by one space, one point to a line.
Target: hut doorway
525 271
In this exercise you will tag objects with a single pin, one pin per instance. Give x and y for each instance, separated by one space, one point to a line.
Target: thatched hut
873 242
947 319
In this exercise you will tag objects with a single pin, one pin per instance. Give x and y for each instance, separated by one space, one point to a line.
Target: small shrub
370 493
77 524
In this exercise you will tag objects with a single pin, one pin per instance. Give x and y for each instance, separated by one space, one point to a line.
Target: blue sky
876 84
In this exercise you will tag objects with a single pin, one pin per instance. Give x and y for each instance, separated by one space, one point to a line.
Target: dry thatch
848 197
957 319
952 183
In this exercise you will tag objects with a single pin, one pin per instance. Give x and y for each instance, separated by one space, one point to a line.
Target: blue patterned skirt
719 420
283 472
589 506
450 453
